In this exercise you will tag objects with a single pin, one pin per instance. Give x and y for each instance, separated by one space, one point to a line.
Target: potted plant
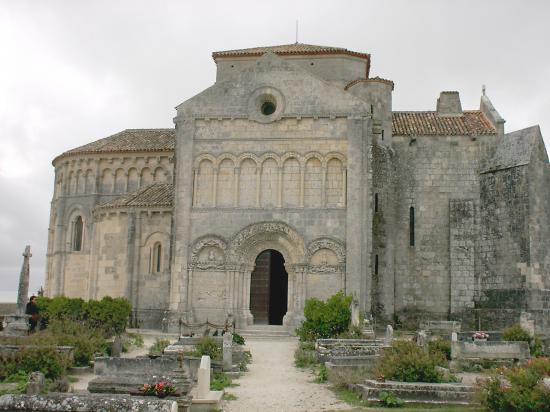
480 336
161 389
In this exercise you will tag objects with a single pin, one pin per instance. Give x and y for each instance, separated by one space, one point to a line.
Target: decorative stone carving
324 266
269 231
215 256
335 245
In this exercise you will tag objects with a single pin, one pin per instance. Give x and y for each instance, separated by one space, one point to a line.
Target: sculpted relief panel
270 181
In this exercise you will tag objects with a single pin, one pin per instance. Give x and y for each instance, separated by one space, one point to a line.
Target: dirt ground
273 383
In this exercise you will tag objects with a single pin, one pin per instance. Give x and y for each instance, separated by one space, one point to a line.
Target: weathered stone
452 393
56 402
116 348
17 324
489 350
389 335
418 214
35 383
203 386
227 351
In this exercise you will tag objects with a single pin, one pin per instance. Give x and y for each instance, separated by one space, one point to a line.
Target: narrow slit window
77 234
157 258
375 202
382 135
376 264
411 226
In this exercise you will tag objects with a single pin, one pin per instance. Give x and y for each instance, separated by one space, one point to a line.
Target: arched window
156 261
411 226
77 234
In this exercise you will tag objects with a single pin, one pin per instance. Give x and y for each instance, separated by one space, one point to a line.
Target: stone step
265 331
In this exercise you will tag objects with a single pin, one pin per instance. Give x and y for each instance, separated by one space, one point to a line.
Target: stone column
181 232
215 188
288 318
258 184
189 296
279 187
236 187
324 186
302 184
358 212
195 181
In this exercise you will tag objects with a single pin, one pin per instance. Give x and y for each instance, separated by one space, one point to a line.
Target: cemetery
381 364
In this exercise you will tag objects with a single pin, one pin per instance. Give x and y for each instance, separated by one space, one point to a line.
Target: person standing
32 310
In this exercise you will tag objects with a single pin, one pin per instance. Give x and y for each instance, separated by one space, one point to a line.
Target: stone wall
430 172
462 240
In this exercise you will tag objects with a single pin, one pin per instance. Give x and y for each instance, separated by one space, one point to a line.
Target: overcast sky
75 71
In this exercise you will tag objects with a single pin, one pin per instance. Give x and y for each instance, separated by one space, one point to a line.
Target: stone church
291 177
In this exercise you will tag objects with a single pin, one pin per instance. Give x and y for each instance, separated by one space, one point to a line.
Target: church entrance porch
269 288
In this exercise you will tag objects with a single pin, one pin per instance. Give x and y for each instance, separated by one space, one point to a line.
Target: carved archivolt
208 253
324 265
267 235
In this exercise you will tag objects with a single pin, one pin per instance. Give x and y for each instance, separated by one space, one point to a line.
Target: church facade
291 177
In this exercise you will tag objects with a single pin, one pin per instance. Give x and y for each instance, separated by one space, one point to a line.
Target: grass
221 381
353 399
229 396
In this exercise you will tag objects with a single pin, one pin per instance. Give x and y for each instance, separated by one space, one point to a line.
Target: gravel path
273 383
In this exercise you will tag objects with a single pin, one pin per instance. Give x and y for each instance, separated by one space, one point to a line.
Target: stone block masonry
462 239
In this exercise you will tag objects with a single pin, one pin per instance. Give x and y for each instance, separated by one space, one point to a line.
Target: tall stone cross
23 294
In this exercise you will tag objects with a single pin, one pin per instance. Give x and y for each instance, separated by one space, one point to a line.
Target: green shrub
325 319
108 314
406 362
46 360
112 314
518 389
159 346
517 334
220 381
238 339
440 346
389 400
208 346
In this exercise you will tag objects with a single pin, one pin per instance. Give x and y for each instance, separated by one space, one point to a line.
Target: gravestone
389 335
454 337
205 399
203 387
35 383
355 321
227 351
422 340
17 324
116 349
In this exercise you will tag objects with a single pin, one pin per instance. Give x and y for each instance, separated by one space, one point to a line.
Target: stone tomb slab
419 392
489 350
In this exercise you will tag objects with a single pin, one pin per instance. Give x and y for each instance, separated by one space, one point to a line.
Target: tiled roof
130 140
372 79
471 122
289 50
156 194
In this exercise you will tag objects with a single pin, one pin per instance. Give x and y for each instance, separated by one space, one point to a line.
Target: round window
268 108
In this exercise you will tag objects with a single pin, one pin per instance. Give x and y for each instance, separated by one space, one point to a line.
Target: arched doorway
269 288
